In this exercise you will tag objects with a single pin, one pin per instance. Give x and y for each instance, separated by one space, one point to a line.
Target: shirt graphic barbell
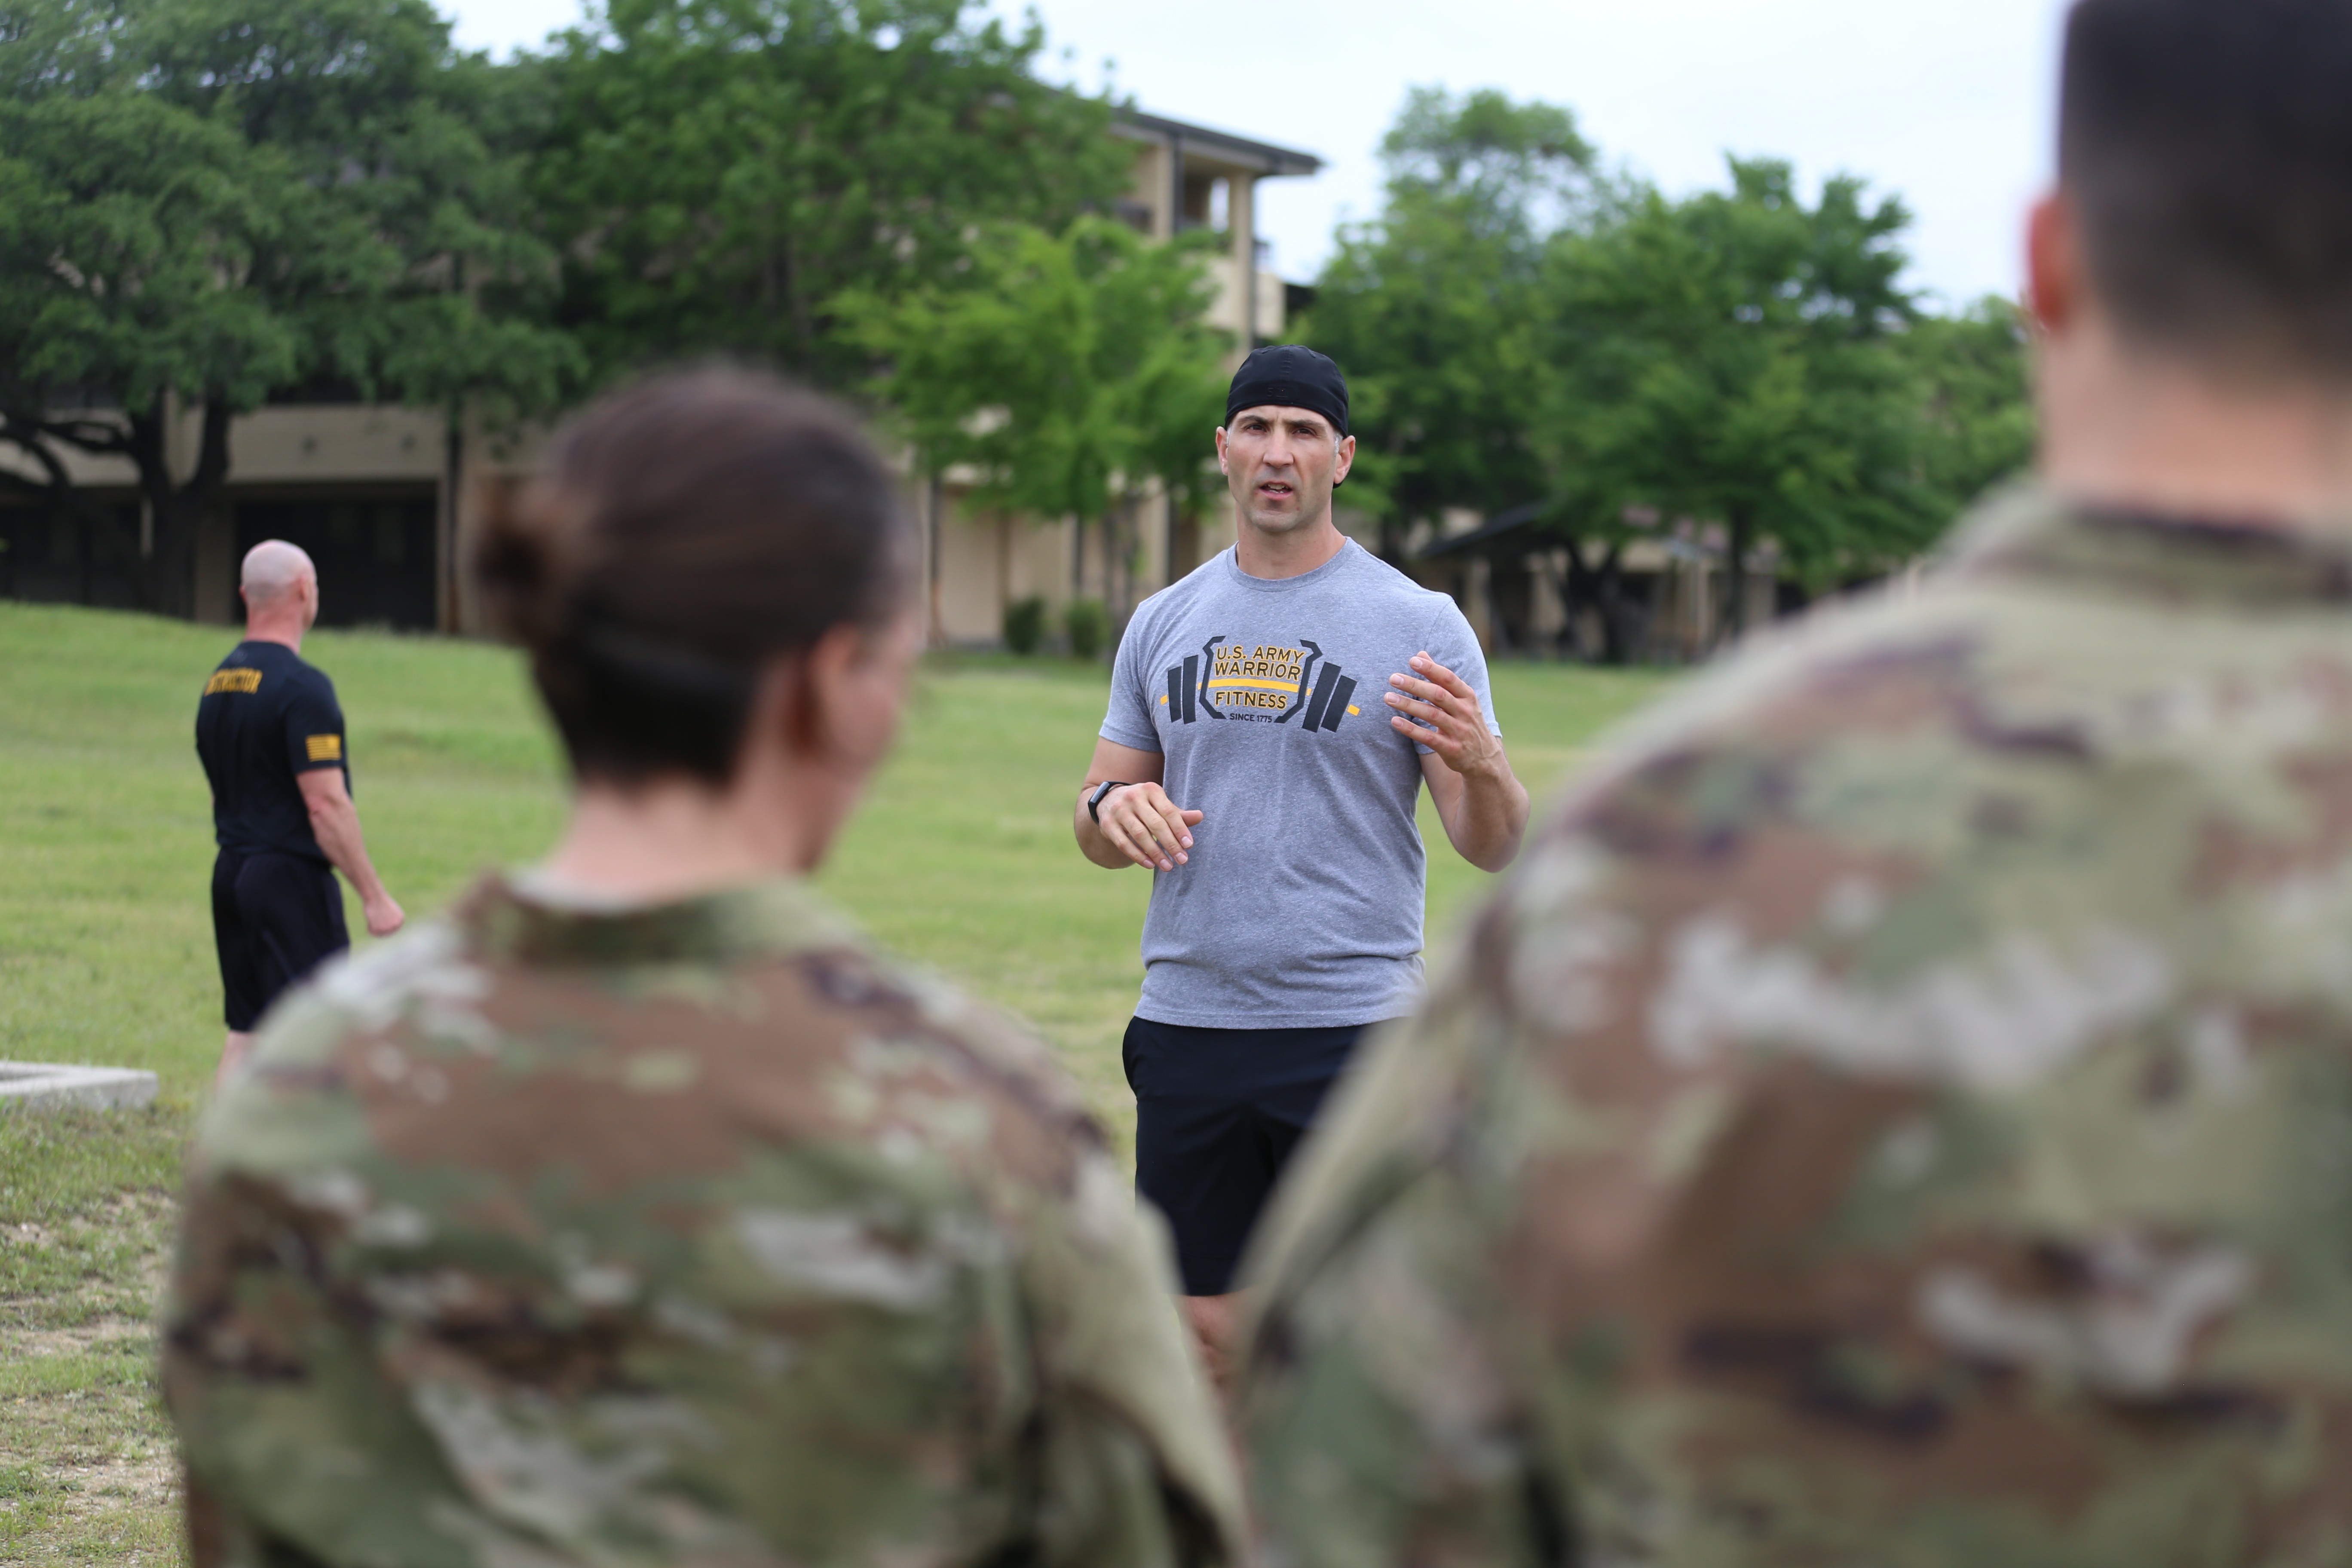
1320 700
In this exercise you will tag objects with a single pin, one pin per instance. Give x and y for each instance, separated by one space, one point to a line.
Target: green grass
86 1463
961 859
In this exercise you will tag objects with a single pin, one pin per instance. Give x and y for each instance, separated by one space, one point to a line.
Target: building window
86 553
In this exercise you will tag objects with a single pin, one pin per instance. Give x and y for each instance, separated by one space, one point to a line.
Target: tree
1064 370
1432 307
720 170
1977 420
1732 358
203 202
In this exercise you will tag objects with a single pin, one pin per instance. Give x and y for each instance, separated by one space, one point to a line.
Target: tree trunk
1734 577
939 635
164 557
453 474
1113 562
1576 595
166 575
1617 615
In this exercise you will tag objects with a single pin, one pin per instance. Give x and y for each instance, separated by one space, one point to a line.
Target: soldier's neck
675 839
2133 431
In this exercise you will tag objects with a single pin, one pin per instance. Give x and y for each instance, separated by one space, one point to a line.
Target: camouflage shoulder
1001 1040
295 1048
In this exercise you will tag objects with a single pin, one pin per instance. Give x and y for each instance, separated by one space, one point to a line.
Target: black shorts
1217 1113
275 919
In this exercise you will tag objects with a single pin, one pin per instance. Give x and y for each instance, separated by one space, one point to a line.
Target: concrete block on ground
48 1086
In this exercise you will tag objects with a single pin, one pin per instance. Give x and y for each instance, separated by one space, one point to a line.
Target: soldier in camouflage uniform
1900 1112
582 1227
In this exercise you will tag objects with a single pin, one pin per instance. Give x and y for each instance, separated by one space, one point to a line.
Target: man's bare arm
1140 824
1481 802
336 823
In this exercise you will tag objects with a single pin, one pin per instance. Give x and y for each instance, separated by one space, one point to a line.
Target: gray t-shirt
1301 904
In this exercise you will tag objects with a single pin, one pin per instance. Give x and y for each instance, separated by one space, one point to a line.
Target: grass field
962 860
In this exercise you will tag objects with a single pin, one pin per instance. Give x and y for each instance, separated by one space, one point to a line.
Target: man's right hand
1141 822
384 917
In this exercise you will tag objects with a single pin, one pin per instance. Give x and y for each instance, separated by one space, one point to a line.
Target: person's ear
2054 272
789 707
1345 461
829 670
1220 450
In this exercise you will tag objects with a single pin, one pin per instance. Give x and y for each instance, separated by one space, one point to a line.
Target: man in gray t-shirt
1273 718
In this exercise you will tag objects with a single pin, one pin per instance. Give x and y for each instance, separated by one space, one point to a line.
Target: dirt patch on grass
105 1334
88 1471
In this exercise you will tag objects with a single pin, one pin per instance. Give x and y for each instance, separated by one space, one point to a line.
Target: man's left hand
1452 723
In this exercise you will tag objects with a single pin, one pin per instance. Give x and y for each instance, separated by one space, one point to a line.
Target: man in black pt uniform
271 738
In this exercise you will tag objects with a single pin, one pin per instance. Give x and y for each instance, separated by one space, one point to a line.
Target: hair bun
683 534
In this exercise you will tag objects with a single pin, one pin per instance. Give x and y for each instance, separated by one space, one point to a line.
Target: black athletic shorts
275 919
1217 1113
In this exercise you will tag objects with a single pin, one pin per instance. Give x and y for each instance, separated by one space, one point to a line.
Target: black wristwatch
1094 801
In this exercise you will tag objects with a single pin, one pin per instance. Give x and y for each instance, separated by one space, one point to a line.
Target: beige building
380 495
1186 177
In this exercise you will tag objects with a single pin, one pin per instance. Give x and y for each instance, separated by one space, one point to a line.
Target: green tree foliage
1523 330
1063 370
1429 306
1970 381
1731 358
718 170
213 200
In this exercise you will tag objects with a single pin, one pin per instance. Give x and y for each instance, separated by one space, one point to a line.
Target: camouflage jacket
687 1236
1898 1113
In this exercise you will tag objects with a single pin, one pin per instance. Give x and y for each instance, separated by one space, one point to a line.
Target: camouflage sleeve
1135 1470
1381 1421
274 1397
353 1469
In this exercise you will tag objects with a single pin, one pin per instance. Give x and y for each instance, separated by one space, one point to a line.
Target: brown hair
684 533
2208 147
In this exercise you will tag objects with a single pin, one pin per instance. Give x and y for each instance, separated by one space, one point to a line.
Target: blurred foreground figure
637 1213
1901 1113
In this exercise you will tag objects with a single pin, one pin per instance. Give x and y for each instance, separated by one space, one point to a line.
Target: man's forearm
1489 818
337 828
1092 843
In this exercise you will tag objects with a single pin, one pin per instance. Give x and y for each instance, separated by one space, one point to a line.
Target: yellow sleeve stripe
1353 709
324 748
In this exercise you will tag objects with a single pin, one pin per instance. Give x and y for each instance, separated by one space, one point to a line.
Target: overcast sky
1945 102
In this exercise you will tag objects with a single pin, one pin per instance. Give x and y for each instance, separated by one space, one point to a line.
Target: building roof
1263 157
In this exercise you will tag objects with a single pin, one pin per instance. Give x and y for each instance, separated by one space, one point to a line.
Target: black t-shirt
266 716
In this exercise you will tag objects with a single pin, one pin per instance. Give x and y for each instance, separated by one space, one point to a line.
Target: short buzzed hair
2206 148
271 569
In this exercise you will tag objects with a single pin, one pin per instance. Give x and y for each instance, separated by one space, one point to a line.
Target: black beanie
1289 376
